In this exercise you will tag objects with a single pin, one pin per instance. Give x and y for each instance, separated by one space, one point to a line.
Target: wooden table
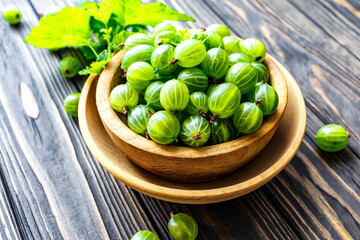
52 188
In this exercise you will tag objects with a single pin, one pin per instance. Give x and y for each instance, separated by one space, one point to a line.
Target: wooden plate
275 156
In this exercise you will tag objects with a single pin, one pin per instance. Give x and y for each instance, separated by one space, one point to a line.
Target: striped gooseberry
163 78
161 57
332 138
189 53
137 39
194 78
138 118
243 75
139 53
163 27
268 96
163 127
254 49
214 40
216 63
248 117
174 96
198 104
231 45
222 131
195 131
263 72
139 75
182 226
220 29
152 95
238 57
144 235
123 97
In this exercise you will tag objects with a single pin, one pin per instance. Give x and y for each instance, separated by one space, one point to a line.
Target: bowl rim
113 123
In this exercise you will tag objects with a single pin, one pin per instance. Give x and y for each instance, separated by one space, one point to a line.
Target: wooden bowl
185 164
266 165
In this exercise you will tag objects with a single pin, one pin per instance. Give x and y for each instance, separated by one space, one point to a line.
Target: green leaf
103 56
89 54
101 11
184 34
68 28
169 38
133 12
200 36
94 67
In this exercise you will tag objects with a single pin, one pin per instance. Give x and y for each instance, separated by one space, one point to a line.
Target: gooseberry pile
194 88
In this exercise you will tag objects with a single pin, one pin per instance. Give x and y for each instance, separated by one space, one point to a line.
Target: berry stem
258 101
126 109
203 29
174 61
150 113
214 117
211 80
197 135
263 81
201 113
147 135
174 111
349 134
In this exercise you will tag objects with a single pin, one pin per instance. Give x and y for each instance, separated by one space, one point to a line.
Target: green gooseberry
152 95
222 30
140 53
195 131
189 53
214 40
182 227
144 235
332 138
123 97
71 103
268 96
139 75
163 127
211 88
161 27
138 118
69 67
243 75
11 14
163 78
247 118
254 49
161 58
223 101
222 131
216 63
174 96
238 57
263 72
194 78
198 104
231 45
138 39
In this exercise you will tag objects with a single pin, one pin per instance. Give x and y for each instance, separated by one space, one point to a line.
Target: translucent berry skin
198 104
224 100
231 45
214 40
216 63
138 119
71 104
211 88
332 138
11 14
161 57
182 227
144 235
163 78
163 27
243 75
247 118
190 53
263 72
139 75
222 131
194 78
123 97
163 127
254 49
195 131
140 53
269 98
222 30
238 57
69 67
174 96
138 39
152 95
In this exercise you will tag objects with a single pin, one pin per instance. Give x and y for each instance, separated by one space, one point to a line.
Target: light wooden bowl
266 165
185 164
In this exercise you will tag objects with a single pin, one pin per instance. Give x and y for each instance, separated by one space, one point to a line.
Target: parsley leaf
68 28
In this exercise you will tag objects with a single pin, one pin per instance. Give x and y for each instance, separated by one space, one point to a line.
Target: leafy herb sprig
99 28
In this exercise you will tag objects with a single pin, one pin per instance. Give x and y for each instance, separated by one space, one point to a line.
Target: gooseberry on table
139 53
254 49
163 127
332 138
144 235
11 14
189 53
123 97
174 96
71 104
248 117
216 63
195 131
223 101
194 78
182 227
69 67
139 75
138 39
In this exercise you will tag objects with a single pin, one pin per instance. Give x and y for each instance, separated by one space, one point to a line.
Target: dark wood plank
51 187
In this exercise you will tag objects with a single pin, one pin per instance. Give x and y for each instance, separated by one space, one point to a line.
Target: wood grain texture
315 197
